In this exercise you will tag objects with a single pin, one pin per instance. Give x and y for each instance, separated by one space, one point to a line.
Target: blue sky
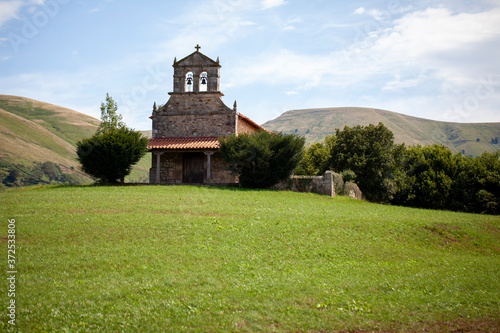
432 59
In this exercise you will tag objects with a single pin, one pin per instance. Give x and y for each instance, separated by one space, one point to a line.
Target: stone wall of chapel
219 174
171 170
194 114
215 125
202 102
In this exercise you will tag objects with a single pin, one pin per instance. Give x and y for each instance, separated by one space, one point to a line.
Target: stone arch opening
203 81
189 79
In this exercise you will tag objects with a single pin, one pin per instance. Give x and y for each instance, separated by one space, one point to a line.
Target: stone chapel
187 128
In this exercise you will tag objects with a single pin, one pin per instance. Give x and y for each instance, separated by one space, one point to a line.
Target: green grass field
201 259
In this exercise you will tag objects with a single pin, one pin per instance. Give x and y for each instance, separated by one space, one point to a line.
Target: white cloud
360 10
9 10
457 47
211 25
280 67
267 4
433 57
290 24
378 15
302 71
437 30
398 84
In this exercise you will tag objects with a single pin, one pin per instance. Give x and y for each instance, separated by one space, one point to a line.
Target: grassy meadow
202 259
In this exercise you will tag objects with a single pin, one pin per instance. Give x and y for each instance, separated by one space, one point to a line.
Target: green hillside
201 259
315 124
34 131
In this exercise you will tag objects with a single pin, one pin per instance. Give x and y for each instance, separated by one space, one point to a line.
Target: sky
436 59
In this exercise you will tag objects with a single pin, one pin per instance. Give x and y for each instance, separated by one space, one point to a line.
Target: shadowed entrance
192 168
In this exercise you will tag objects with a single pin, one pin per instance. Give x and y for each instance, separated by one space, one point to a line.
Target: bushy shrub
109 156
348 175
315 161
433 177
262 159
110 153
369 151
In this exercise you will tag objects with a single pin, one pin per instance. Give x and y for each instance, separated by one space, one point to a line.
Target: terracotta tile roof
202 142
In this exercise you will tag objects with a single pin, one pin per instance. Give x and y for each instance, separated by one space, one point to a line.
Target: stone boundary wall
313 184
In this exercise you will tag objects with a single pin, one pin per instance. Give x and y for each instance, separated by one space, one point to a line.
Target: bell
189 80
203 80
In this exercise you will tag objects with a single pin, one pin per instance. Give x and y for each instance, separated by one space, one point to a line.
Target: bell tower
195 107
196 73
186 129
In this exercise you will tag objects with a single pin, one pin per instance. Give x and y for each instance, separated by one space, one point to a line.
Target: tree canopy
110 119
369 153
262 159
316 158
110 153
427 177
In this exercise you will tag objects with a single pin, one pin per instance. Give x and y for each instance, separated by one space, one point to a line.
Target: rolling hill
315 124
34 131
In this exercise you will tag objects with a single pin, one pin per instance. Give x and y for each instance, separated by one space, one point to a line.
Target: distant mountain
315 124
34 131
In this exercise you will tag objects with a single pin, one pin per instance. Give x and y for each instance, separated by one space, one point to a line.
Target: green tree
434 169
371 154
489 179
262 159
109 156
315 161
432 177
52 171
110 153
110 119
14 178
429 177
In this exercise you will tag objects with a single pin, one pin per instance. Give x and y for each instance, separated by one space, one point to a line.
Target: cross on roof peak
197 47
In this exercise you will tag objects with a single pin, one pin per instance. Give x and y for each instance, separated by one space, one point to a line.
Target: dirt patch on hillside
447 233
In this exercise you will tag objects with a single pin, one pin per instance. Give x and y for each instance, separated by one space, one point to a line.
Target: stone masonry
196 116
313 184
202 114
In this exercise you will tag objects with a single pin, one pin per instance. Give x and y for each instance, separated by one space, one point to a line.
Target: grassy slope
33 131
187 259
407 129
